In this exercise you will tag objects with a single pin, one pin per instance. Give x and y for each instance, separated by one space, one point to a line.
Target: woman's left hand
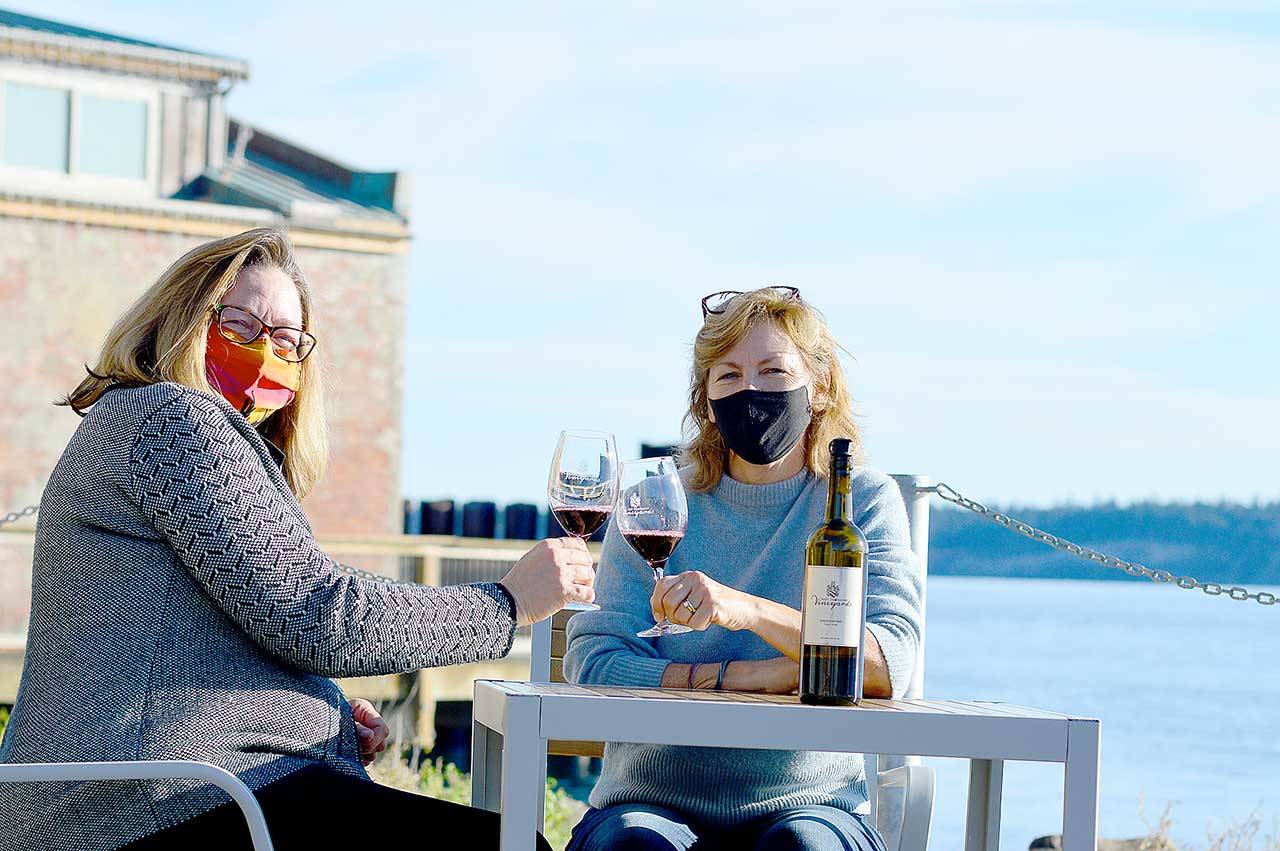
698 601
371 730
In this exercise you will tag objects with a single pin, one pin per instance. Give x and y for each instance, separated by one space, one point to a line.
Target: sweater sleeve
206 491
893 580
603 646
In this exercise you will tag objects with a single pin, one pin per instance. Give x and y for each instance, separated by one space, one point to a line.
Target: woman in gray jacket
181 608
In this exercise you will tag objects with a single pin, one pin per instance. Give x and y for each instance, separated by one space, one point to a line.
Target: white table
514 720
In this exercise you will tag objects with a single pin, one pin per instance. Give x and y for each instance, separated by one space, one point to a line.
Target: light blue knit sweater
751 537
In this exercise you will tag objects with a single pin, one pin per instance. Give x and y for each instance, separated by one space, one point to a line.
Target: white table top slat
945 707
728 719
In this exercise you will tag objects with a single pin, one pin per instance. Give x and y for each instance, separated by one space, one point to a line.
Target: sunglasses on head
719 302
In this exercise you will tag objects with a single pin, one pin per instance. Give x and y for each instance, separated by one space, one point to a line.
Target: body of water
1186 687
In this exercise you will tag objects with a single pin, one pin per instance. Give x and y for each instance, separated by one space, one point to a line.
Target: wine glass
583 486
653 515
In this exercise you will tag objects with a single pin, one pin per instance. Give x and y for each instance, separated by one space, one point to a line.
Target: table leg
523 767
542 784
1080 786
540 672
486 768
982 824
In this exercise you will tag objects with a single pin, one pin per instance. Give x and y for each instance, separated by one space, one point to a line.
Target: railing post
429 567
890 809
916 498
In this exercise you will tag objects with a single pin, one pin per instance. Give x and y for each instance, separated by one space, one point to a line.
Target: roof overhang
194 218
52 48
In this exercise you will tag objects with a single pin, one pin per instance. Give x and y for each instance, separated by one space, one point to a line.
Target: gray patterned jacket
182 610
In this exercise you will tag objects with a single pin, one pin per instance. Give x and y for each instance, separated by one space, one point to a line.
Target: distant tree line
1220 542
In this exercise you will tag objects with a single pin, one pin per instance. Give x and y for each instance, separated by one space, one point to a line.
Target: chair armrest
917 804
169 769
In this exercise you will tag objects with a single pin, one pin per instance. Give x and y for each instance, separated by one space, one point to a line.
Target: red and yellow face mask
252 377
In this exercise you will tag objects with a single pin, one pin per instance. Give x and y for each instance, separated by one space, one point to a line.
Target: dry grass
446 782
1244 835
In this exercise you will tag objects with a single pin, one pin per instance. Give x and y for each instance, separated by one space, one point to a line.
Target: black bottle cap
841 446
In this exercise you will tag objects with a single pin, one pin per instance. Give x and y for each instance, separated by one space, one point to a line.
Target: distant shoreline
933 574
1225 543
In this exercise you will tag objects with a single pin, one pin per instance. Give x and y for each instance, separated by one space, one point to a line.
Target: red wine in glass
582 486
654 547
582 522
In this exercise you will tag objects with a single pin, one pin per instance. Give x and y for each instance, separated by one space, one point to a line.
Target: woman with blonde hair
181 608
766 397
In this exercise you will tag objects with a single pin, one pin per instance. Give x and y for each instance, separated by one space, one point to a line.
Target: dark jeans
317 808
638 827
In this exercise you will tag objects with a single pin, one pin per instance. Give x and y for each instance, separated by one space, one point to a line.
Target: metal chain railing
361 573
951 495
15 516
1213 589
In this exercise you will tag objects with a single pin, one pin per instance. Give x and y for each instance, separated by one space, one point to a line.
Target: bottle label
832 605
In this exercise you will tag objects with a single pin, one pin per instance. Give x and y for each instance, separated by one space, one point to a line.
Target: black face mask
761 426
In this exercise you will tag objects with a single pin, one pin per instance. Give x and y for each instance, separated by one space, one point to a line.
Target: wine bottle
834 610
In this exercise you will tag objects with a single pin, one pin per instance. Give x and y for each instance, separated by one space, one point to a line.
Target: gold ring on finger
693 610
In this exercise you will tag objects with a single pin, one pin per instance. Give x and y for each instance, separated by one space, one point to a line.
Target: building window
73 132
113 137
37 127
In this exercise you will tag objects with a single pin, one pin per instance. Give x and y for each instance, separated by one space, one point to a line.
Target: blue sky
1045 230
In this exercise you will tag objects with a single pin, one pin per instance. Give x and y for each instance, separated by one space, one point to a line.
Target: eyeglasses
242 327
719 302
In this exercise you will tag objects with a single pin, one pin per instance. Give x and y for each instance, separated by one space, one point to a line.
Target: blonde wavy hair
833 414
162 337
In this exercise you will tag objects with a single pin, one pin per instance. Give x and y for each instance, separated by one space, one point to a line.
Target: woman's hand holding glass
698 601
554 573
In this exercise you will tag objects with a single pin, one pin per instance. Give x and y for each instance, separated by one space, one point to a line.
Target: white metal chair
170 769
903 820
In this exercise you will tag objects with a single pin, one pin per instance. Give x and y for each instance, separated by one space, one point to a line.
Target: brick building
116 157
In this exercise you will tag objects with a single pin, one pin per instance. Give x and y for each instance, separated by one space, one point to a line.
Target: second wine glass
583 486
653 515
